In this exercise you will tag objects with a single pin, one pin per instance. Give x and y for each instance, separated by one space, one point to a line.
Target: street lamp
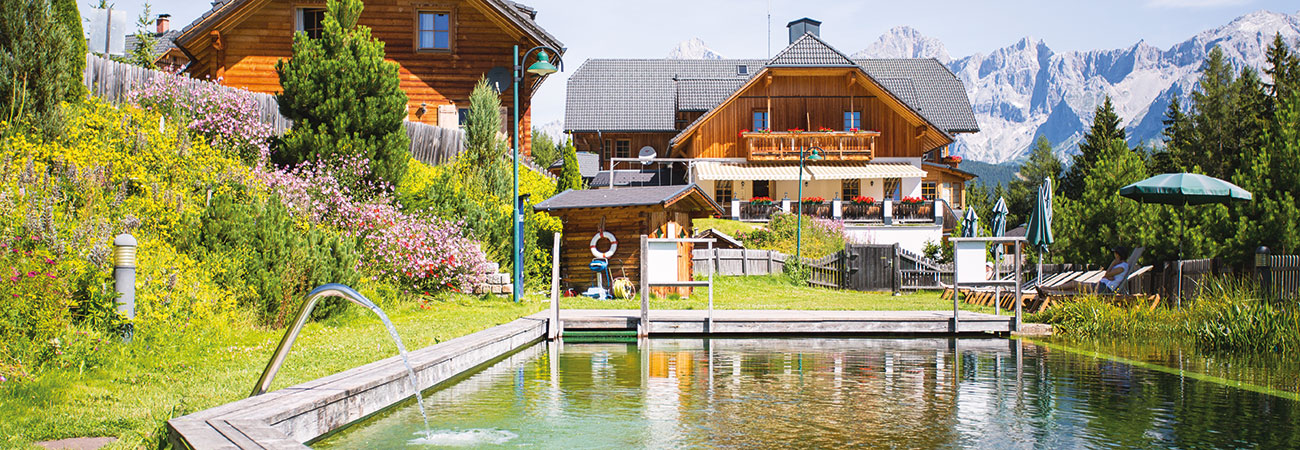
814 155
542 67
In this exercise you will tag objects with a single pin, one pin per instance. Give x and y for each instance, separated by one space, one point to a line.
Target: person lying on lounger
1108 283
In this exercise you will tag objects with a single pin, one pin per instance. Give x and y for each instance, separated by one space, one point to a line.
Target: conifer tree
36 51
1101 218
142 55
1283 71
485 159
1042 163
544 150
1177 135
343 97
70 17
1106 128
570 175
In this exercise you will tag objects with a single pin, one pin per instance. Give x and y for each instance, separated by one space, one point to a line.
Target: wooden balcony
835 145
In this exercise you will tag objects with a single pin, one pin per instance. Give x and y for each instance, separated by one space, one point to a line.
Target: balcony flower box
812 200
860 200
761 201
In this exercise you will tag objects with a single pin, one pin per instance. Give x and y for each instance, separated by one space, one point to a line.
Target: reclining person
1108 282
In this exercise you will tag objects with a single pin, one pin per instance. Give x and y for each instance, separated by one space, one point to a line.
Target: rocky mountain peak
693 48
905 42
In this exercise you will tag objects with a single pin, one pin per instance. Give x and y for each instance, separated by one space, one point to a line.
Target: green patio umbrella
1038 232
970 224
1184 189
999 225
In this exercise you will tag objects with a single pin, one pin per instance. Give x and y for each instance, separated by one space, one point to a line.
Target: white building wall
909 237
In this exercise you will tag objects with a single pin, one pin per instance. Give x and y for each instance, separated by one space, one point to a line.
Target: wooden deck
668 322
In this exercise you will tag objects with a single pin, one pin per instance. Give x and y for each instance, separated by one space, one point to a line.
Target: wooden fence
1284 276
738 262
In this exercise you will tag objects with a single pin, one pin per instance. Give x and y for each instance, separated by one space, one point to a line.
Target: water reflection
912 393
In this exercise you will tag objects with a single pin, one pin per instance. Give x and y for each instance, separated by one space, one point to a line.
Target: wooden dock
669 322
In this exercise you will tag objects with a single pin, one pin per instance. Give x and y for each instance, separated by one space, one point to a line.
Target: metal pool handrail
282 351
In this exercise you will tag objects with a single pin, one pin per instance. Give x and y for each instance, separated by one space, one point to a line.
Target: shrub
228 118
821 237
344 98
262 248
571 173
36 54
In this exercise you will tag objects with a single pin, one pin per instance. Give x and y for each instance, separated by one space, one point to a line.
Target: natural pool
829 393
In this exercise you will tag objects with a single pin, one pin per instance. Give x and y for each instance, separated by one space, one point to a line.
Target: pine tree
1177 135
1272 218
36 53
1023 191
70 17
1283 70
545 152
1106 128
485 158
142 55
570 176
1101 218
344 98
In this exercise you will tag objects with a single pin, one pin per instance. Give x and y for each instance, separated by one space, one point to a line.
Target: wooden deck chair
1121 291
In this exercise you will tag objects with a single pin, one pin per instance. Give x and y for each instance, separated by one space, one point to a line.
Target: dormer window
742 70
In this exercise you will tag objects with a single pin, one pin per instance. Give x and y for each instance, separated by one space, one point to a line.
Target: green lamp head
543 65
814 155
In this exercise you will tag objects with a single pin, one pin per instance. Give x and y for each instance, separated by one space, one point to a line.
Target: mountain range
1026 90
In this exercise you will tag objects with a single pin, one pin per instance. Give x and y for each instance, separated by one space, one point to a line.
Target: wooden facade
810 99
241 48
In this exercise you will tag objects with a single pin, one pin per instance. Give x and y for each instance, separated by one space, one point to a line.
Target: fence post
553 331
898 270
644 328
1263 270
887 213
785 205
769 263
735 209
837 208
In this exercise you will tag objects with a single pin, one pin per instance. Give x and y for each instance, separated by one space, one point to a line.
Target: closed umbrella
1038 232
1184 189
999 225
970 224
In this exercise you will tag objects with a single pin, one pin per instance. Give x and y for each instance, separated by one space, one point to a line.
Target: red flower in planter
863 200
813 200
742 132
761 201
795 130
824 129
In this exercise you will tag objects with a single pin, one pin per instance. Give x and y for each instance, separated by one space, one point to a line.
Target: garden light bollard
1263 270
124 248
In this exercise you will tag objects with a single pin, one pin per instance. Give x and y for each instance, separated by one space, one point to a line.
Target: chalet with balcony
442 48
874 134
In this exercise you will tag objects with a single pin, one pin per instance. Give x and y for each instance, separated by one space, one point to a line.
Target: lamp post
542 67
798 221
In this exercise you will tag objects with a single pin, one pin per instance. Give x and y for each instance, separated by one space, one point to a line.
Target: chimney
164 22
803 26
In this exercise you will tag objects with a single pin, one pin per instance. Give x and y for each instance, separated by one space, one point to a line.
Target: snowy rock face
905 42
693 48
1026 90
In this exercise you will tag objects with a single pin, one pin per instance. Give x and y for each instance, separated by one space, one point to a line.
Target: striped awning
865 171
709 170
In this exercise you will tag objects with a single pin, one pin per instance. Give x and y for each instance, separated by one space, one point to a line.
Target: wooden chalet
442 47
627 213
883 127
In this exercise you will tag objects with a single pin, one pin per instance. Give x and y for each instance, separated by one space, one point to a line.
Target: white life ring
613 245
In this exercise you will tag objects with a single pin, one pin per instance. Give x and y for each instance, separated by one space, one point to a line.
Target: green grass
170 373
777 292
730 227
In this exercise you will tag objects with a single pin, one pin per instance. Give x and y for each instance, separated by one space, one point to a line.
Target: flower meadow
226 117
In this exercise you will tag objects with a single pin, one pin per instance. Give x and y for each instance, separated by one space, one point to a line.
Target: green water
833 393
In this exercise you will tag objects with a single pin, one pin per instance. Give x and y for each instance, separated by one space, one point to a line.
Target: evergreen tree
545 152
343 97
70 17
570 176
1283 70
142 55
36 53
485 158
1272 218
1178 134
1023 191
1106 128
1101 218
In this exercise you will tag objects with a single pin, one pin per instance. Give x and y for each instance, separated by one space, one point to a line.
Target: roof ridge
787 53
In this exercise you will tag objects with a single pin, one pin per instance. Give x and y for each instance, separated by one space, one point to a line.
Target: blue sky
738 28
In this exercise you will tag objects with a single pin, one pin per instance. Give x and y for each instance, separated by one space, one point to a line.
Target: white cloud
1195 3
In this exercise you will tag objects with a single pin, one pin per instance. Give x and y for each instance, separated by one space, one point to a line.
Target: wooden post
898 270
1018 287
770 269
643 328
708 324
956 288
553 328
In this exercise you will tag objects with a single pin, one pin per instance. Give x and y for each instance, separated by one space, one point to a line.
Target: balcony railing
835 145
877 212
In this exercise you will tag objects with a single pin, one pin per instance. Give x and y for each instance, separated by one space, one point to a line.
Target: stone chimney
803 26
164 23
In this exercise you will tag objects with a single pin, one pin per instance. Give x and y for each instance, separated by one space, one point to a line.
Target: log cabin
875 134
442 48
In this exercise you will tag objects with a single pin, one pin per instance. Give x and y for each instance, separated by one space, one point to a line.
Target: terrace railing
877 212
914 212
754 212
864 212
835 145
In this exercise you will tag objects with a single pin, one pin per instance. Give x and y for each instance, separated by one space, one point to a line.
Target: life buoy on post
613 245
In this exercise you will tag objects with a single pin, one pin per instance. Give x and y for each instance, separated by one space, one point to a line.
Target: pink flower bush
418 252
227 117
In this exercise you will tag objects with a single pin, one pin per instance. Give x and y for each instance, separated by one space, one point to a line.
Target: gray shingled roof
810 51
588 164
645 94
165 42
614 198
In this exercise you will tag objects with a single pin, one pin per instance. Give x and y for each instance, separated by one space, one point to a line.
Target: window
742 70
433 30
462 115
852 119
722 192
760 120
311 21
928 190
893 189
606 149
622 148
850 189
762 188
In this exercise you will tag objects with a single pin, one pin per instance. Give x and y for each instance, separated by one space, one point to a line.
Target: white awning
709 170
866 171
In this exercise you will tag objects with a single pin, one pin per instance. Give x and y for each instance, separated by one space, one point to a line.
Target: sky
739 28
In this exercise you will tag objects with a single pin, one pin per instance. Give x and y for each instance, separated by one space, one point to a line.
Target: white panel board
970 257
99 32
662 262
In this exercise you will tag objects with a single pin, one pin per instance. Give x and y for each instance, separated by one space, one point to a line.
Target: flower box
761 201
860 200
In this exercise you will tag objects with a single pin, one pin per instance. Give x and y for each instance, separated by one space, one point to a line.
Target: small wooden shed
627 213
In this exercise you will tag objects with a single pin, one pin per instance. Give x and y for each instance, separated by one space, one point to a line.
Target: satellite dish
647 155
499 78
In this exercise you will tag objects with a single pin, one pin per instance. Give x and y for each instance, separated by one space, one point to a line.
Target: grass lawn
140 386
